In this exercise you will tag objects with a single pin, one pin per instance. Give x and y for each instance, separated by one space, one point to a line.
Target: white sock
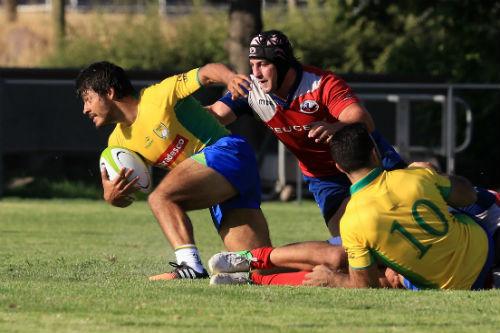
188 253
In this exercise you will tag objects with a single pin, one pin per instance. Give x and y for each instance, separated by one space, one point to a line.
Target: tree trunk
245 20
11 10
58 22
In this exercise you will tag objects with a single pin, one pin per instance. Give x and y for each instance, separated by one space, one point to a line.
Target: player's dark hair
351 147
101 76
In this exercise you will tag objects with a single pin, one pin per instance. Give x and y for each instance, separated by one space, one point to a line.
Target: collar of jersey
289 99
365 180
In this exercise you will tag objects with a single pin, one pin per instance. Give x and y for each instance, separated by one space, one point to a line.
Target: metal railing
402 94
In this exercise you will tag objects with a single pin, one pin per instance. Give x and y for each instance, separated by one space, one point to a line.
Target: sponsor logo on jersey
309 106
149 142
173 151
182 77
161 130
290 129
263 101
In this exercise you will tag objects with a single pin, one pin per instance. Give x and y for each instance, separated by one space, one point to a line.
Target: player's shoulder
414 175
324 73
419 171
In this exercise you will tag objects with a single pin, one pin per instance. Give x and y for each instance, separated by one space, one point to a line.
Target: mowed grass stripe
82 266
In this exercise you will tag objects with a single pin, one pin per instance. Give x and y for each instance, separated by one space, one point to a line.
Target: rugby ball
114 158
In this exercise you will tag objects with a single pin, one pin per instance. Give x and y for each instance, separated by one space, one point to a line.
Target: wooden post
11 10
245 20
58 22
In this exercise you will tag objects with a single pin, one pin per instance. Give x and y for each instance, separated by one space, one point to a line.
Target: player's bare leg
244 229
191 186
304 256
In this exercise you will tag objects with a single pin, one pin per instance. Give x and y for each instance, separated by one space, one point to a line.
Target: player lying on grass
208 167
396 218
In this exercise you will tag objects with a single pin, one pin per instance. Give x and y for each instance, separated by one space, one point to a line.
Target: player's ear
111 93
340 168
375 156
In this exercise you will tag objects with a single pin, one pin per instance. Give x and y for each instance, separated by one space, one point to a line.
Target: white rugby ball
115 158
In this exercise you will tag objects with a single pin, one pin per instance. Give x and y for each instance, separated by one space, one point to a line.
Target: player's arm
237 84
322 131
322 276
461 193
342 104
222 112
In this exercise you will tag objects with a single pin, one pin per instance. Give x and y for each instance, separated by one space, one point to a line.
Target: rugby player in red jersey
304 106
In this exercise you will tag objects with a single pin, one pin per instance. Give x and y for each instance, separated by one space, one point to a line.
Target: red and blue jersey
317 95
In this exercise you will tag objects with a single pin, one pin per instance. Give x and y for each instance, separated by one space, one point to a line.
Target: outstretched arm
222 112
322 276
220 73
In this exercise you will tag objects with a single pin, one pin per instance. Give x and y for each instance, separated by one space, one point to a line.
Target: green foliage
46 188
145 42
82 266
455 40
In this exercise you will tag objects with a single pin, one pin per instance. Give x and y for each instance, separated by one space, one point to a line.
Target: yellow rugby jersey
170 125
400 217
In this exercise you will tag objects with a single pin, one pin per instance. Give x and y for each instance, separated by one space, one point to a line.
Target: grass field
82 266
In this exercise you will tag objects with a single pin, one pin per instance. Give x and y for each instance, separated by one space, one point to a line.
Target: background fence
43 132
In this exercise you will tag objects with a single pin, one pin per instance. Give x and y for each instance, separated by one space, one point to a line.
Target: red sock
262 254
283 279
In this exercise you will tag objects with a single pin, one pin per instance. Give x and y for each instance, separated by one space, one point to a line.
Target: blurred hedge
456 41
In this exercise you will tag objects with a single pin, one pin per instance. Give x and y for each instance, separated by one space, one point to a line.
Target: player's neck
128 109
287 84
355 176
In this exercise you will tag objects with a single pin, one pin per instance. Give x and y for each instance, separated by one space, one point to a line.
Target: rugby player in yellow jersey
398 219
208 167
401 219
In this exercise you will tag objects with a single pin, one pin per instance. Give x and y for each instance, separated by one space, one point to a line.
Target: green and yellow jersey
401 218
170 125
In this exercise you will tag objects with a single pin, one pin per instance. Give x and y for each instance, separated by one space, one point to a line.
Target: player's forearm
215 73
341 280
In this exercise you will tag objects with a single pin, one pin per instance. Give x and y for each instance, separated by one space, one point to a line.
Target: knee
158 199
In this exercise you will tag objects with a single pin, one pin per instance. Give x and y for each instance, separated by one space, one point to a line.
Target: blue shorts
330 191
488 265
233 158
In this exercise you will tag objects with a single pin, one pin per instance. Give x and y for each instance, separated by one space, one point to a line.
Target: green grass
82 266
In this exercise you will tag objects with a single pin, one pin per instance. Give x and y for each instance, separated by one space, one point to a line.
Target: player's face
96 107
265 72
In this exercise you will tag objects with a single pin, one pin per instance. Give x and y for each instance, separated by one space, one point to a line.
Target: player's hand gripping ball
115 158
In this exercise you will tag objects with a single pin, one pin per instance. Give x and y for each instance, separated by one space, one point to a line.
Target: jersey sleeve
179 86
239 106
358 254
337 95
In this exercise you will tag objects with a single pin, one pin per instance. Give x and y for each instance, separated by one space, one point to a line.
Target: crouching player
208 166
398 219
